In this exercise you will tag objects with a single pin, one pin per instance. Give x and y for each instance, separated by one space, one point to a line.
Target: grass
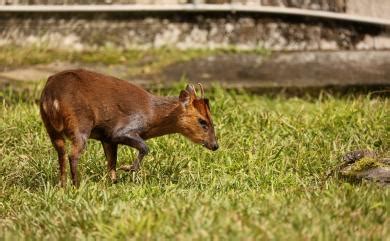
266 182
136 60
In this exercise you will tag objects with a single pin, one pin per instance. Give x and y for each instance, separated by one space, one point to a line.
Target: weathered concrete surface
250 71
372 8
325 5
189 30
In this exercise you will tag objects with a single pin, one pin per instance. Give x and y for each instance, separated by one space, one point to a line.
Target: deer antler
191 89
201 90
194 89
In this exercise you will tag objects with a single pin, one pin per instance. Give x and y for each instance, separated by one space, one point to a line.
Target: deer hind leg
58 141
59 145
111 150
138 143
78 145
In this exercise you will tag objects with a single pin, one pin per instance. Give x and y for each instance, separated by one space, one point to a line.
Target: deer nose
214 147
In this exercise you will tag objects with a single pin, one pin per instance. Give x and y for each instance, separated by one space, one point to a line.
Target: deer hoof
113 176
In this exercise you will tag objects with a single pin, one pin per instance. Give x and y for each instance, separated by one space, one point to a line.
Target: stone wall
189 30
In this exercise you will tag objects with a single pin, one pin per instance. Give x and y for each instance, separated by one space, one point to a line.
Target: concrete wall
326 5
79 32
372 8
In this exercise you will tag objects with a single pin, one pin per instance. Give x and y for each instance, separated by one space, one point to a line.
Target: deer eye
203 123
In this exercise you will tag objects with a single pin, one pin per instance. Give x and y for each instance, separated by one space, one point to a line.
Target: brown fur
79 104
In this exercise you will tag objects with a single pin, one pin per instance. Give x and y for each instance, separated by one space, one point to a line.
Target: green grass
266 182
137 61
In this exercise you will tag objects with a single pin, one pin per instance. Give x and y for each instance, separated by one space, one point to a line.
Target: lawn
266 182
137 61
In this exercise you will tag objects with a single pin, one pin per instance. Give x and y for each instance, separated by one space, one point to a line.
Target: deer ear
185 98
207 103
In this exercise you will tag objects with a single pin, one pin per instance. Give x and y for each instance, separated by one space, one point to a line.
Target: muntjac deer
79 104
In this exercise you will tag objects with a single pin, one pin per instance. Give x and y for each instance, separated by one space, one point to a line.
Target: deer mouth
212 147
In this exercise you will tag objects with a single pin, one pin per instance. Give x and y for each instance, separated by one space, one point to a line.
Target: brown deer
80 104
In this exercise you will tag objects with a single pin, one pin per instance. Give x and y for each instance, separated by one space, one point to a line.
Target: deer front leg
110 150
138 143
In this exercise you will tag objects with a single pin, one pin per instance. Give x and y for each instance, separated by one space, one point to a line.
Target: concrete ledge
194 8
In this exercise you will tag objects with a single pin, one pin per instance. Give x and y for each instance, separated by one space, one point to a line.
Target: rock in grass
366 165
